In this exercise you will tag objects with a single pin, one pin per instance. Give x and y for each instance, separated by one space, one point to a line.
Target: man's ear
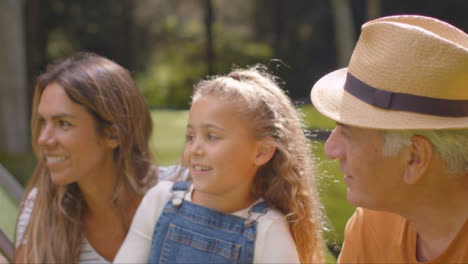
418 157
266 150
111 136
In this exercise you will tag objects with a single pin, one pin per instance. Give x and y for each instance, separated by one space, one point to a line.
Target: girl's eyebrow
208 126
211 126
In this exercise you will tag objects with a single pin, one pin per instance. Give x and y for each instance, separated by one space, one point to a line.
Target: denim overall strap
257 211
181 186
260 207
190 233
179 189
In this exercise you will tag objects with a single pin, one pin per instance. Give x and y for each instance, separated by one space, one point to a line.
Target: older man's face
373 179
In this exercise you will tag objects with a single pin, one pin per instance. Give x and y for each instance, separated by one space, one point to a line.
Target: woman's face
72 148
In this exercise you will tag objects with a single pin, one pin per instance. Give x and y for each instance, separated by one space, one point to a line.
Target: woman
90 131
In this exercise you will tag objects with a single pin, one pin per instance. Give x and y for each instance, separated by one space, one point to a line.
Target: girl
252 198
90 131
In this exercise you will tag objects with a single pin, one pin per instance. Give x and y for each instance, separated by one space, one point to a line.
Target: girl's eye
212 137
188 138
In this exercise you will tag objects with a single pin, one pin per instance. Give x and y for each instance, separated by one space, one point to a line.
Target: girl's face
220 150
68 139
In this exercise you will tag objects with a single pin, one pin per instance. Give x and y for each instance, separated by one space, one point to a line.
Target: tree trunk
344 30
373 9
126 48
209 18
13 93
279 24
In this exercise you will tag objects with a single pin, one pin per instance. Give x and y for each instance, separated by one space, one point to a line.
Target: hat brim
330 99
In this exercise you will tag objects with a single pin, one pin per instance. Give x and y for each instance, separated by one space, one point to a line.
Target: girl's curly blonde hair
287 180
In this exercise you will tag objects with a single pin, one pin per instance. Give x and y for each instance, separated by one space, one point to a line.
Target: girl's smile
220 150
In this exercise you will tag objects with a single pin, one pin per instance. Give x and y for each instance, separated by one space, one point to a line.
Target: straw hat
406 72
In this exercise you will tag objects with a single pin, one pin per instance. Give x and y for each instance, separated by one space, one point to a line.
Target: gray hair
450 145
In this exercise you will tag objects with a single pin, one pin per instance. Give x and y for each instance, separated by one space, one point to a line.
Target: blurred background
170 45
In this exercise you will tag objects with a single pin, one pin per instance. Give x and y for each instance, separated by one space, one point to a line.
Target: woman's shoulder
30 198
28 203
173 173
25 215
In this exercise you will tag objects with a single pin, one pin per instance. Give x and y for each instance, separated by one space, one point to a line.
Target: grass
333 194
8 214
168 138
21 166
313 119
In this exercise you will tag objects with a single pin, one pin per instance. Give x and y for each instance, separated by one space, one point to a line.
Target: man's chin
353 200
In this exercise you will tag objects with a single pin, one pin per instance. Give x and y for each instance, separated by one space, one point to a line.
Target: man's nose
334 148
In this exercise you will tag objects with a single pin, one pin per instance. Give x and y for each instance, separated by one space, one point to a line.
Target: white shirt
274 242
88 255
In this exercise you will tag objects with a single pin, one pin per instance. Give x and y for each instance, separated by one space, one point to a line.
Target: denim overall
190 233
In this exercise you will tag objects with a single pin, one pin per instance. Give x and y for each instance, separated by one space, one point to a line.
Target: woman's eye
188 138
64 124
42 122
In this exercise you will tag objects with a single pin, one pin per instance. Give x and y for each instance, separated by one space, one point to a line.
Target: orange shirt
382 237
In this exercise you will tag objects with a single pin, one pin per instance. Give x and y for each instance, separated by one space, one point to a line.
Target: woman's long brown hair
107 91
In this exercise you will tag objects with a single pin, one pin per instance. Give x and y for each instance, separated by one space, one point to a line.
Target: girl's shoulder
273 216
256 212
274 213
274 242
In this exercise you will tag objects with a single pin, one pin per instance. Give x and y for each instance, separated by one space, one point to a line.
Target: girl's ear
111 137
265 151
418 156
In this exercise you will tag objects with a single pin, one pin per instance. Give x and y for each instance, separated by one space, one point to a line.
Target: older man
401 109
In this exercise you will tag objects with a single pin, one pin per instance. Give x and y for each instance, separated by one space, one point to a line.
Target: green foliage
164 42
59 44
19 165
177 66
169 79
234 48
